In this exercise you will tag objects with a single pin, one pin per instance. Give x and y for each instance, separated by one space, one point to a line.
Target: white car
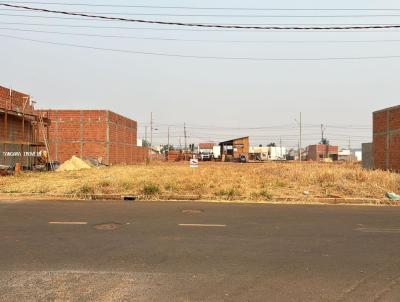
205 156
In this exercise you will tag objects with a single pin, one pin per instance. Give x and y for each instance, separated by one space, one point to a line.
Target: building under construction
23 131
30 137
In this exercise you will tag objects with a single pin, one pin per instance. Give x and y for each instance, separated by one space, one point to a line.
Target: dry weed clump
212 181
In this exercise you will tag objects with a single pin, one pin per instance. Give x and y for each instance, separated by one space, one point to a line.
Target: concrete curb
278 200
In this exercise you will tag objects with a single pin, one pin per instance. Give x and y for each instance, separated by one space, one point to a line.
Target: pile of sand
74 164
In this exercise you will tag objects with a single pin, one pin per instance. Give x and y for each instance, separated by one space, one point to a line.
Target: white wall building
268 153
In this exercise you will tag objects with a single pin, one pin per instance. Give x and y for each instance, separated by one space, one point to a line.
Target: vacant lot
213 181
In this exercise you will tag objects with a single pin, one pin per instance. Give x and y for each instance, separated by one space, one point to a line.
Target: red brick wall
386 128
94 133
315 151
16 101
15 137
14 129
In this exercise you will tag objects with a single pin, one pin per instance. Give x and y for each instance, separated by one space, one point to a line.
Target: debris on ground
93 162
392 196
4 173
39 168
74 164
5 170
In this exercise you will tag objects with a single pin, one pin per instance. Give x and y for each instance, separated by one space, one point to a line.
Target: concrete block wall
386 130
368 155
94 133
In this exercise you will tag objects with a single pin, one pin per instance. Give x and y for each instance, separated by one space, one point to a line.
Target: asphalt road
186 251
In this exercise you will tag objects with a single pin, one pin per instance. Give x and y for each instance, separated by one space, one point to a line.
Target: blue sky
218 99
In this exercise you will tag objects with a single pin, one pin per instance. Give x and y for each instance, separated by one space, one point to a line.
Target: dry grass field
212 181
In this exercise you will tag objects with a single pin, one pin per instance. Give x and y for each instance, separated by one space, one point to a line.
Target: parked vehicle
205 156
216 152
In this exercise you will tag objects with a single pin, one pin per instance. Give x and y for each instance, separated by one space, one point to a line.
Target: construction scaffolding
23 131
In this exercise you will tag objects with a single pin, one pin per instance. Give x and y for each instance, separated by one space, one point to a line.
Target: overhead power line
322 26
244 27
225 15
163 29
225 26
202 8
203 40
255 59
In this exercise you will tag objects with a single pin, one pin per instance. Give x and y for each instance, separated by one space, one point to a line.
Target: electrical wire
255 59
224 26
204 40
225 15
315 26
169 29
202 8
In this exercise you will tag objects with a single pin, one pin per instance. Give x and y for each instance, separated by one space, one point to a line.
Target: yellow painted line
68 222
202 225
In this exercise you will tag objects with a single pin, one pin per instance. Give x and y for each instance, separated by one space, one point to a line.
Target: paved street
187 251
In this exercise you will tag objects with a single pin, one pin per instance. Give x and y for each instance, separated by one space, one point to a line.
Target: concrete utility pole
168 140
184 132
145 133
301 134
350 157
151 129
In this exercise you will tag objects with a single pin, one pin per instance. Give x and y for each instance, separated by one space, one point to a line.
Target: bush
228 194
84 189
151 189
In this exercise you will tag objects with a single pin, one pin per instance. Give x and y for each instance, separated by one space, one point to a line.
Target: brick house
320 152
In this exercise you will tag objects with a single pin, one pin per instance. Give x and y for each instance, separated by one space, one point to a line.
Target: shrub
151 189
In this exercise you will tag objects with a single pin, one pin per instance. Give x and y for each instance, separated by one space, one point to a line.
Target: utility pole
280 147
145 133
168 140
184 132
301 133
151 129
350 158
322 132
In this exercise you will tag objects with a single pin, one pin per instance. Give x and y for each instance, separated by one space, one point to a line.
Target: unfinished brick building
99 134
321 152
386 146
21 129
